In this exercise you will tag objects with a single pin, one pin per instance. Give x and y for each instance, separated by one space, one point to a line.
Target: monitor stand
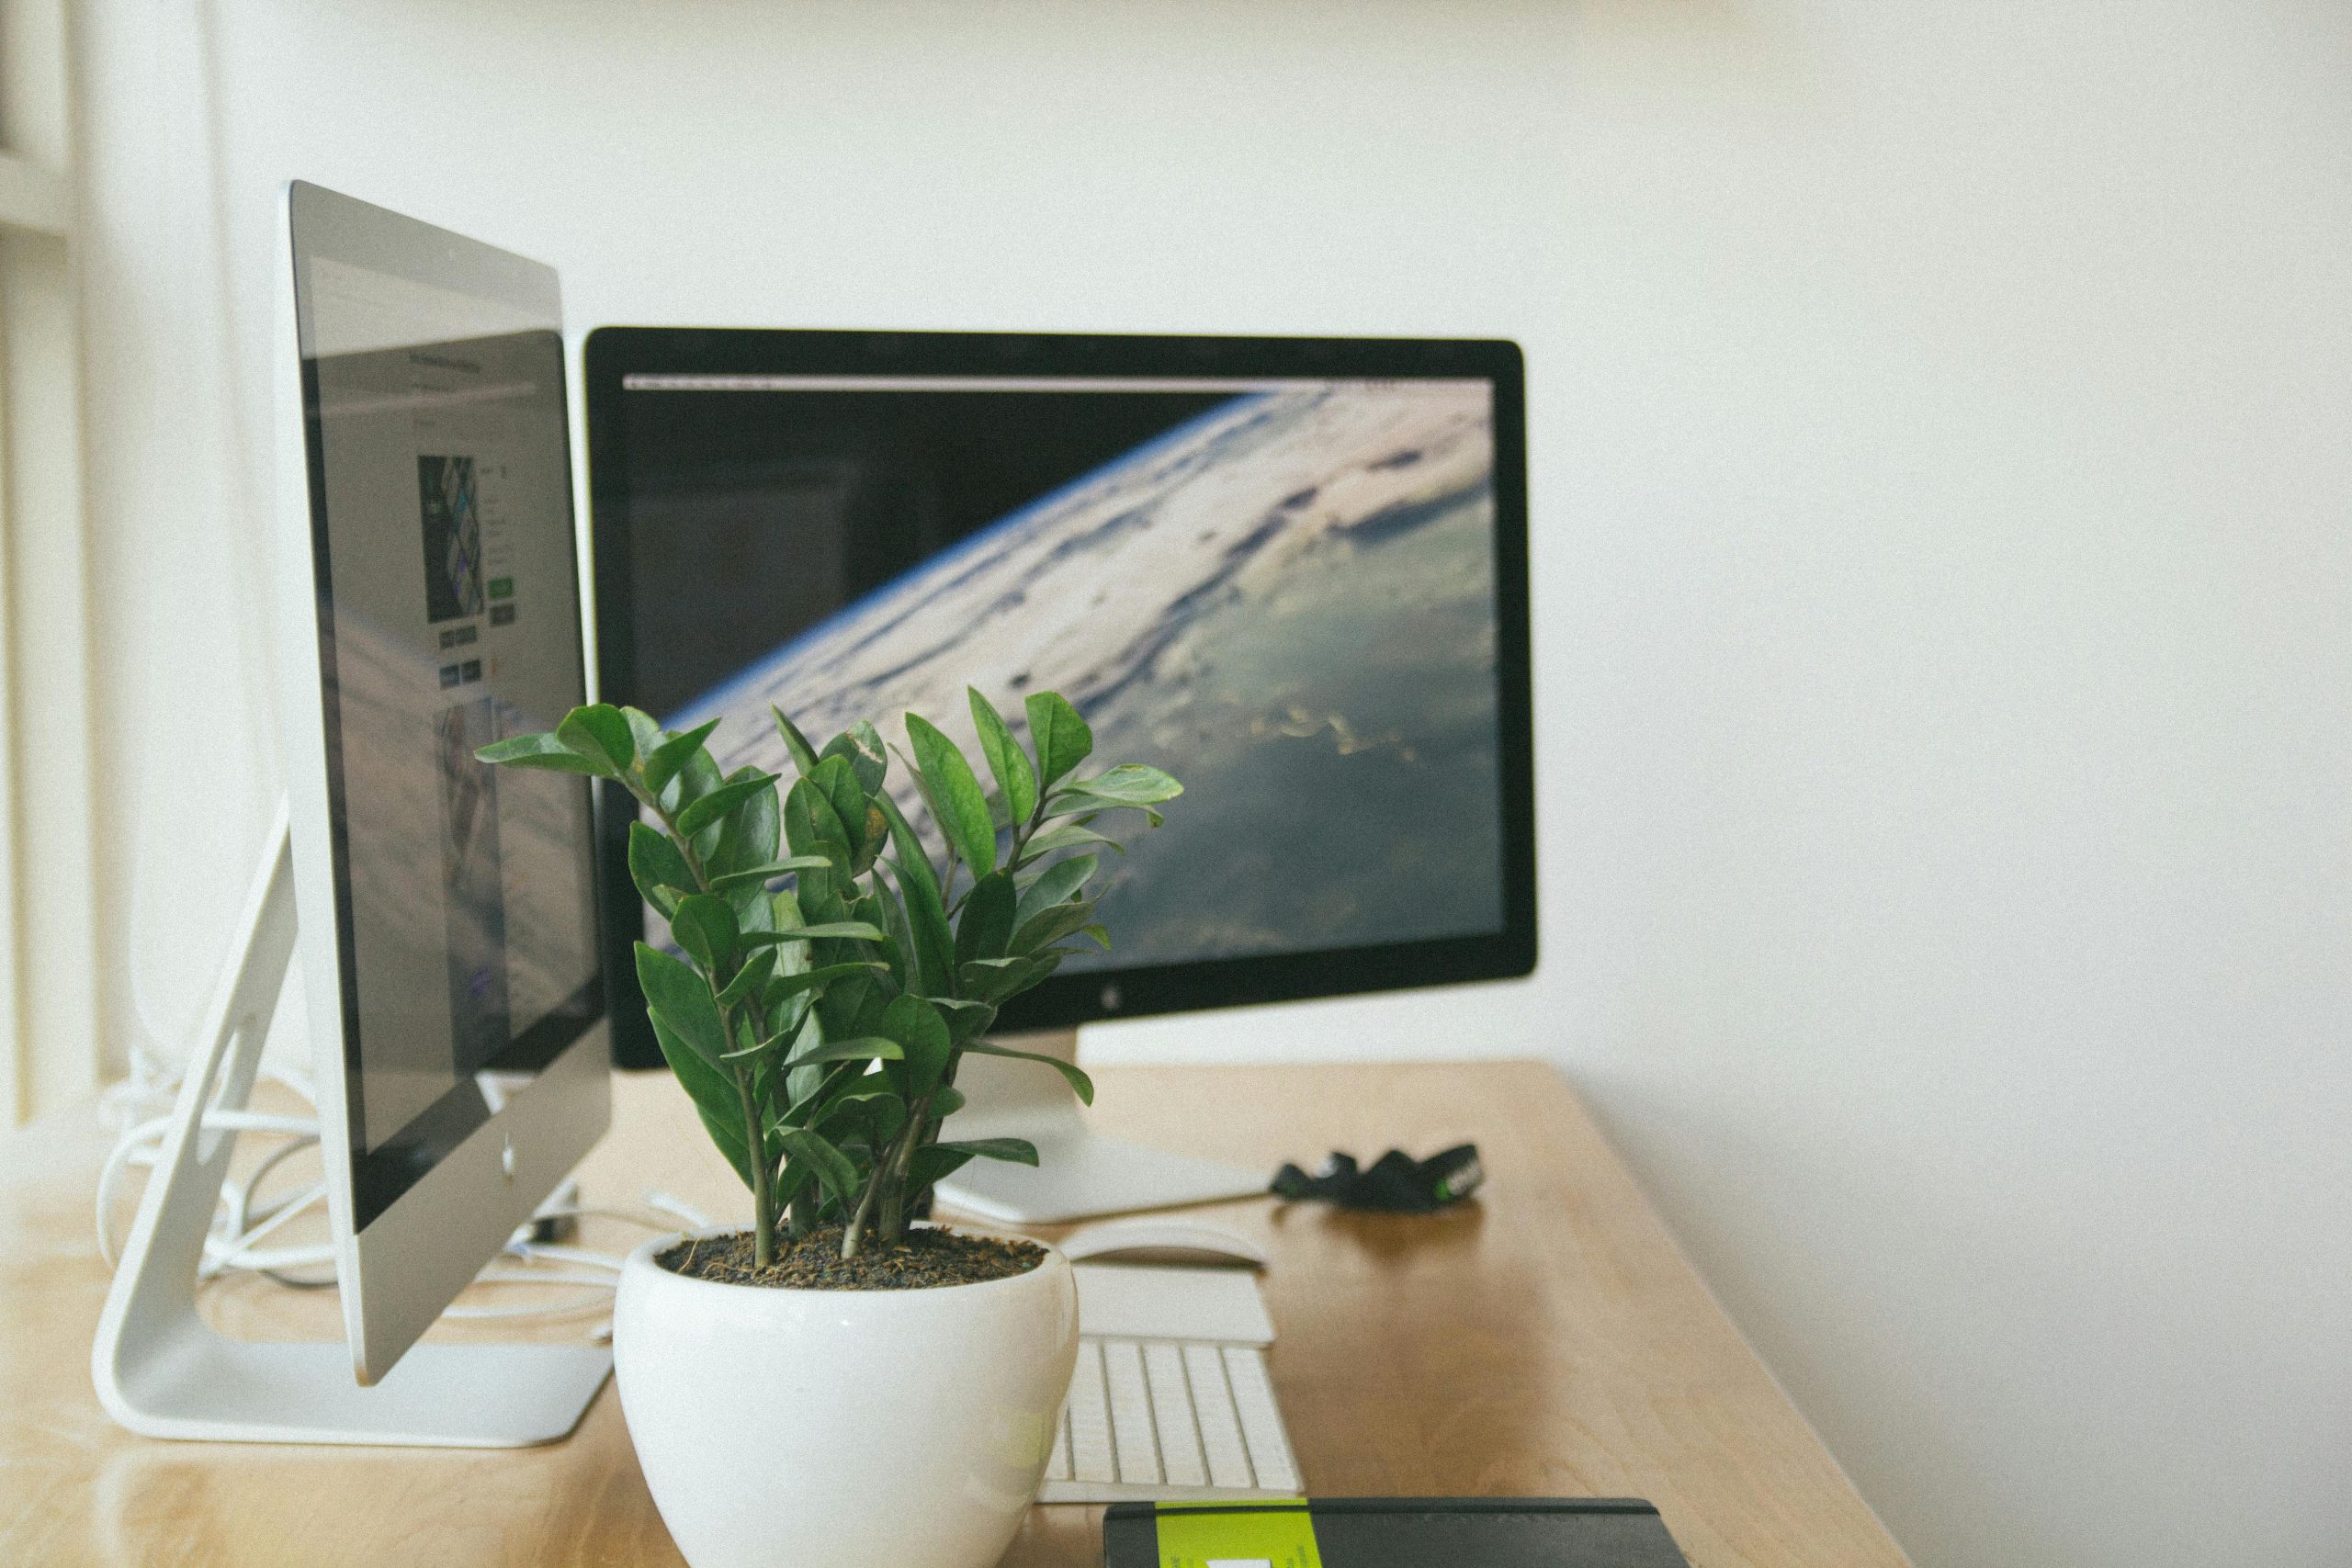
161 1371
1078 1172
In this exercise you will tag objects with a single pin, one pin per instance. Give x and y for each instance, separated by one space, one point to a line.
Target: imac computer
444 917
1290 571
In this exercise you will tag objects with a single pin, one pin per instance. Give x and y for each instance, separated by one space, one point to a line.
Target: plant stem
858 1219
755 1152
895 1171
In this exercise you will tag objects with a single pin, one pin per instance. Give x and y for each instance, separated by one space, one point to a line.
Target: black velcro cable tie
1395 1183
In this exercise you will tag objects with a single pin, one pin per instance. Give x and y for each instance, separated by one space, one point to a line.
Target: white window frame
49 991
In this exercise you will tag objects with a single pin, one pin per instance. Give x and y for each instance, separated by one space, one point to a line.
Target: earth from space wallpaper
1287 601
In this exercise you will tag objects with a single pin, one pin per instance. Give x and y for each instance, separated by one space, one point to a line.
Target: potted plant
843 1384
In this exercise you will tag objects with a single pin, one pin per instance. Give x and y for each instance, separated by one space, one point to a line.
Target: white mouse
1162 1237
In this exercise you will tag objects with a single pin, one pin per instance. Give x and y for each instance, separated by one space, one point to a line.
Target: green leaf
955 791
748 1044
1055 883
682 999
754 908
1052 924
1007 760
906 963
656 866
542 751
877 836
782 987
998 980
695 780
965 1018
759 876
843 931
601 731
1129 784
754 973
704 926
838 781
935 1163
783 915
662 764
799 1082
1078 1080
908 845
834 1171
812 826
1098 935
804 758
915 1024
1069 836
986 924
833 1087
864 1123
713 1093
643 728
861 747
1019 1151
748 837
1063 740
710 808
821 896
933 954
864 1048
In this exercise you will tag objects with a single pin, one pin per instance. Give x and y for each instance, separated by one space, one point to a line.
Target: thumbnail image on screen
453 580
1283 592
473 892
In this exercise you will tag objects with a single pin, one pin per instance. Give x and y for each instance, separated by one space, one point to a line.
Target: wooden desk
1548 1338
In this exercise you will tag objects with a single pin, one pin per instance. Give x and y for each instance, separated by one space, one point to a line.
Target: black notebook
1390 1532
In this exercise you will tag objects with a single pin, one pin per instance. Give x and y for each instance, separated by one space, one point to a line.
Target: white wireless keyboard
1166 1420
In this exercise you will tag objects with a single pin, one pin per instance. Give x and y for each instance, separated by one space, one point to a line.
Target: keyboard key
1057 1464
1261 1422
1228 1457
1090 1457
1171 1417
1131 1431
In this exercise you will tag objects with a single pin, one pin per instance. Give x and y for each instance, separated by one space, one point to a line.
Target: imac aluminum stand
162 1373
1078 1172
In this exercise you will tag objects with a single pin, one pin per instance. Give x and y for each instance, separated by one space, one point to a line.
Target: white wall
1943 584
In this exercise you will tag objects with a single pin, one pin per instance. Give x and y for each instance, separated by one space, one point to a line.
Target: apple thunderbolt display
1292 572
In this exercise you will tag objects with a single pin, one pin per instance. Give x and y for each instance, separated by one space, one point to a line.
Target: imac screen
1281 591
450 618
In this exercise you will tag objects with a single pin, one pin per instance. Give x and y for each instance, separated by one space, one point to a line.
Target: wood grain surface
1546 1338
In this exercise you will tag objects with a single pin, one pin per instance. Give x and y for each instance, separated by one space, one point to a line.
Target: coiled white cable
141 1106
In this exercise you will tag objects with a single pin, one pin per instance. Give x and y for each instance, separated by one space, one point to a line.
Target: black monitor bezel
1065 1001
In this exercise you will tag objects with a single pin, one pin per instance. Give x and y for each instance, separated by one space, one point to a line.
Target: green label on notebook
1271 1532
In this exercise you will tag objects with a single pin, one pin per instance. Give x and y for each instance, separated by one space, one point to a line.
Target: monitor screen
1301 594
449 617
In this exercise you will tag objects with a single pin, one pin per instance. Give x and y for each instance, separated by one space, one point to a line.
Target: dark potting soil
918 1260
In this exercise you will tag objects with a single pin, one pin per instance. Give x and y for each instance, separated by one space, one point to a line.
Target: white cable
589 1211
677 1208
241 1211
144 1107
146 1139
239 1254
549 1309
580 1256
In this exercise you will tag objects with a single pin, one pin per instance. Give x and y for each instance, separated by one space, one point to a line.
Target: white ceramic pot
843 1429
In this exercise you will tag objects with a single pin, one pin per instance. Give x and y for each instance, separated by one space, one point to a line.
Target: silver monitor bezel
399 1271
